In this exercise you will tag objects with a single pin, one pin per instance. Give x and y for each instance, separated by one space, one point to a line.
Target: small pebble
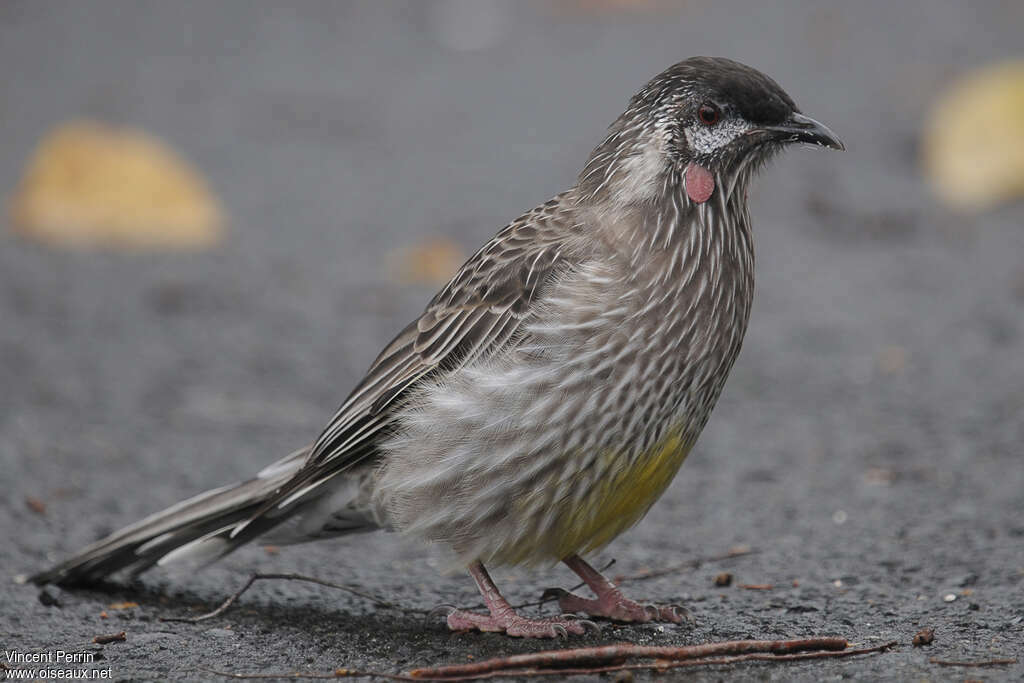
949 597
924 637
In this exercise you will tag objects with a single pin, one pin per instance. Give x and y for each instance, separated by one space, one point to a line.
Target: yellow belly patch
620 500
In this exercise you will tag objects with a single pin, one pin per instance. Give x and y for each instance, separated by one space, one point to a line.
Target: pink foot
518 626
617 607
504 619
610 603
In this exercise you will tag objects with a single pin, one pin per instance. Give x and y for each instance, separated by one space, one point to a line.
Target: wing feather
477 313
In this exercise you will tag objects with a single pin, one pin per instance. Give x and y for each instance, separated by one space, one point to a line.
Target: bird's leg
610 602
504 618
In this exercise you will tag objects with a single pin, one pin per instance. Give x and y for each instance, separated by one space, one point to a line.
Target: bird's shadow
177 607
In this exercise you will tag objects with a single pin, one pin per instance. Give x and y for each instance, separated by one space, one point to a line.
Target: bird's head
704 124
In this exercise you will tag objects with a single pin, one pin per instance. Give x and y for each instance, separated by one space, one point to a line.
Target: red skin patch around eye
699 183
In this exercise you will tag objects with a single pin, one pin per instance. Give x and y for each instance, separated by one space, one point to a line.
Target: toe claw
681 614
652 612
588 624
560 631
445 610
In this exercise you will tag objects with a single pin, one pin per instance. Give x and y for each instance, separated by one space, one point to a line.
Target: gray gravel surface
867 448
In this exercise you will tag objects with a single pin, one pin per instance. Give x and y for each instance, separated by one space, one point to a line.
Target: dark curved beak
800 128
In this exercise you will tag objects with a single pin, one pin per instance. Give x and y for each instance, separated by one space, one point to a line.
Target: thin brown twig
337 673
615 654
688 565
380 602
663 665
609 658
984 662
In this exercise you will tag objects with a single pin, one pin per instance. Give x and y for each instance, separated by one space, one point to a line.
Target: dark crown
756 97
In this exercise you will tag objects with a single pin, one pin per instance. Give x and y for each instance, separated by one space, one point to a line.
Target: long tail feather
196 531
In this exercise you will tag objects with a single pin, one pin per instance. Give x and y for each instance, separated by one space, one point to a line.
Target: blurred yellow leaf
91 185
974 138
431 262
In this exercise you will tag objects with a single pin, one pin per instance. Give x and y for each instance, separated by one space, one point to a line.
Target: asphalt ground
866 450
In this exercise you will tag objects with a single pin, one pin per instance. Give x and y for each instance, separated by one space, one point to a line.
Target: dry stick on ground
688 565
337 673
986 662
112 638
664 665
618 654
380 602
609 658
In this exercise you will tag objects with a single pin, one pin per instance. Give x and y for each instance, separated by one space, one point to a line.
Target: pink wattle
699 183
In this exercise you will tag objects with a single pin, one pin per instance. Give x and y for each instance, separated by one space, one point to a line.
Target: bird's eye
708 114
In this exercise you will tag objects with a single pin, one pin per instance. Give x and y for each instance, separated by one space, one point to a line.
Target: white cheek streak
709 139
